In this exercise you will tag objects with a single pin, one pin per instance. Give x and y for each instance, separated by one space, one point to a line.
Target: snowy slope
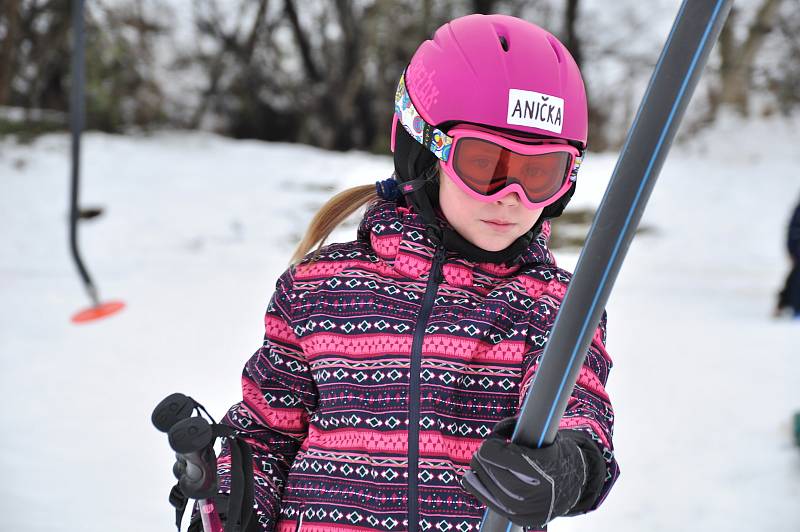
197 229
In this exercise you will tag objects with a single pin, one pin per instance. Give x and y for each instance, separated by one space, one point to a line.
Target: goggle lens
487 168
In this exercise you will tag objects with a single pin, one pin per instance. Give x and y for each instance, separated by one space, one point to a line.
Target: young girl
394 363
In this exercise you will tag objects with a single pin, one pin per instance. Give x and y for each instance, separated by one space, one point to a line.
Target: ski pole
192 439
209 516
694 32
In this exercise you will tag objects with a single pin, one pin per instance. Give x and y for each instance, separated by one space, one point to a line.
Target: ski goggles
488 166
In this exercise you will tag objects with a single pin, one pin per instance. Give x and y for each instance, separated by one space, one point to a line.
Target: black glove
530 487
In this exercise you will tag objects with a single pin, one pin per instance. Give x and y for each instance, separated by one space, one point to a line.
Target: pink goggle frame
549 175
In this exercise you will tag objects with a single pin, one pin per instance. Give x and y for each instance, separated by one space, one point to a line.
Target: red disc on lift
99 312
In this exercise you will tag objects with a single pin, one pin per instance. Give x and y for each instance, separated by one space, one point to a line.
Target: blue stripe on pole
624 149
633 208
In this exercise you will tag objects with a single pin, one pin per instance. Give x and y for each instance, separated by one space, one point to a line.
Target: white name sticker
534 109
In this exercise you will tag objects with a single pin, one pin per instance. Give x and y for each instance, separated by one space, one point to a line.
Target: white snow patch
197 229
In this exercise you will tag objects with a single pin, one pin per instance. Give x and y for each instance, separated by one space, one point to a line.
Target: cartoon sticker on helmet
439 142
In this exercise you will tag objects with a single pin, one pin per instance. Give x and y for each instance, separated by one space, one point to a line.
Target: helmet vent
503 43
556 48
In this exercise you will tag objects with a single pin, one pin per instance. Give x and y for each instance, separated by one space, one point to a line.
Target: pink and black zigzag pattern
326 397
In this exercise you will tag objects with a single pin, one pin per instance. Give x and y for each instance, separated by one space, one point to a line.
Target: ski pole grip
193 440
172 409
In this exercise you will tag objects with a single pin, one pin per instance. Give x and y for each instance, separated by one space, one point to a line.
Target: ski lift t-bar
694 32
77 115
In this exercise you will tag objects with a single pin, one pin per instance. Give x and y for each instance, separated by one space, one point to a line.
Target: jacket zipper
300 521
434 278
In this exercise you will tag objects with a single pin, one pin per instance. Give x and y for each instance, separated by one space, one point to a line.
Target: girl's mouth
499 225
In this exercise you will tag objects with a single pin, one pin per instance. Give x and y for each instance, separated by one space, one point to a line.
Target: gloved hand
530 487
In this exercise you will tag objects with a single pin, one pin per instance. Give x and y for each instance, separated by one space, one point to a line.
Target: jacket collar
397 235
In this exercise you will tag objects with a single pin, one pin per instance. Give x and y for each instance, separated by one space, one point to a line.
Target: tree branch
302 42
573 43
759 29
258 23
7 63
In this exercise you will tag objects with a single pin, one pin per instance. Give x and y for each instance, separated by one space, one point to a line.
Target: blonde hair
330 215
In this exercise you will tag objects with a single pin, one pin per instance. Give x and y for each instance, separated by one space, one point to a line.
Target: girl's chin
492 244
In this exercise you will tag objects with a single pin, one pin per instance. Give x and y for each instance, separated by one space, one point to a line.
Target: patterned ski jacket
384 366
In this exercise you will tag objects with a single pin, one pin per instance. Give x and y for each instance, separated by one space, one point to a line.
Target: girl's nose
511 199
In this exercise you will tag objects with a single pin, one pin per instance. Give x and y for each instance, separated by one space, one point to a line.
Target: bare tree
9 24
737 58
241 49
784 81
323 72
301 38
35 50
483 6
571 39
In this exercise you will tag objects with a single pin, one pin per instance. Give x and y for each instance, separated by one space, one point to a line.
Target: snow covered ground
197 229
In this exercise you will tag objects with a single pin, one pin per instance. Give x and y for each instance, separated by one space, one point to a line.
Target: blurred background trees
323 72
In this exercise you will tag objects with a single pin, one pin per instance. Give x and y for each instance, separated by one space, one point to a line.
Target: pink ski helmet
499 72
